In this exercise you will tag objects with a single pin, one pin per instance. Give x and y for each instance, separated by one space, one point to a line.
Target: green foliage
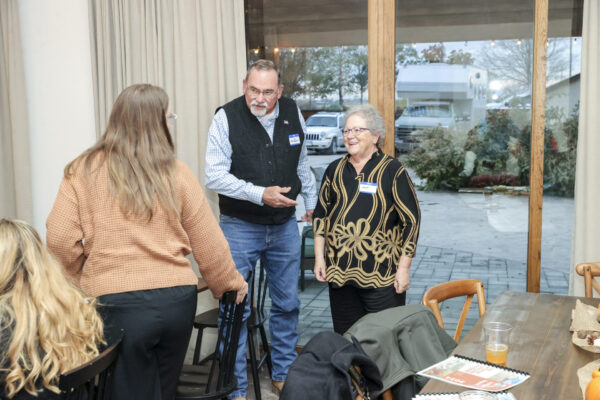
436 53
293 68
438 160
490 142
339 69
460 57
559 161
496 143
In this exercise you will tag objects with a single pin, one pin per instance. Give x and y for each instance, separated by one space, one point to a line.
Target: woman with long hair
127 214
47 325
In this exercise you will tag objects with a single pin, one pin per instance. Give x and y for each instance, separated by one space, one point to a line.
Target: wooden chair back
448 290
91 380
589 271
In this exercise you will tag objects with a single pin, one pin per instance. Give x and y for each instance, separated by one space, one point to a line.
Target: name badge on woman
368 187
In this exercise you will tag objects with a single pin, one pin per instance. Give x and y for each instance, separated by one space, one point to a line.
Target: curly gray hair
372 117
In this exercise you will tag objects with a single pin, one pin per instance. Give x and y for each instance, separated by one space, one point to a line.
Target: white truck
438 94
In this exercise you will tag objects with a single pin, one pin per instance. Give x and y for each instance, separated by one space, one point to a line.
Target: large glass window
464 74
463 128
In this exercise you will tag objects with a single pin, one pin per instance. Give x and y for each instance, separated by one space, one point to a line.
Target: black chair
91 380
217 380
255 325
307 253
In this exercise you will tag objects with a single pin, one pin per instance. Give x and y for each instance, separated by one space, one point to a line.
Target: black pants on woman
157 324
351 303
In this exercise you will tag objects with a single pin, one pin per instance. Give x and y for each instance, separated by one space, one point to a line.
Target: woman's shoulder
393 164
84 166
183 172
185 180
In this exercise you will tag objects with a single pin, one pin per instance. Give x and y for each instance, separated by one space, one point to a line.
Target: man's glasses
267 94
354 131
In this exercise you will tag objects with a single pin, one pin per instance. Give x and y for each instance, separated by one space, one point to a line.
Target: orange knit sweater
105 252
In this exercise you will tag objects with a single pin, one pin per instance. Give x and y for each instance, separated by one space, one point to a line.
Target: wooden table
541 345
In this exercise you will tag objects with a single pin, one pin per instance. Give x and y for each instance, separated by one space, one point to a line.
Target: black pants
157 324
350 303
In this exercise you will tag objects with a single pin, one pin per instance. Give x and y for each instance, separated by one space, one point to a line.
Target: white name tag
368 187
294 139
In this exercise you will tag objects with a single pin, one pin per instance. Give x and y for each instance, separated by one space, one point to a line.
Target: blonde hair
50 326
138 151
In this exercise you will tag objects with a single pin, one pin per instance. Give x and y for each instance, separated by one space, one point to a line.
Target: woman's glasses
172 117
354 131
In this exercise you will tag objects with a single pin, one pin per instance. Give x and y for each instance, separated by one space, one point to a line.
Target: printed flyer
475 374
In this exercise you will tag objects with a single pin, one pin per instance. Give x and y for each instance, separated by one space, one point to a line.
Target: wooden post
382 60
536 179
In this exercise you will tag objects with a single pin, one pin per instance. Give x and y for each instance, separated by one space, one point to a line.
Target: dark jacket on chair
402 341
321 371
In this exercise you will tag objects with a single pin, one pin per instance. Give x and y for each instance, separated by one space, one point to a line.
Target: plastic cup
476 395
497 335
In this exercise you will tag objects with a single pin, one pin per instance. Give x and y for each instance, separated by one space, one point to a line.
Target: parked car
422 115
324 132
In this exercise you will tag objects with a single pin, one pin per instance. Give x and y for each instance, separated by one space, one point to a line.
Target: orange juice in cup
496 353
497 335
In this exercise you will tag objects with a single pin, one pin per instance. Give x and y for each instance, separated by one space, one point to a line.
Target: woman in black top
366 224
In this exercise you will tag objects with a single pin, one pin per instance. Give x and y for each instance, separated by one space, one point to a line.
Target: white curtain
586 227
15 173
194 49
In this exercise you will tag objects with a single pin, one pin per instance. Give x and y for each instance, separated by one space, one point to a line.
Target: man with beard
256 160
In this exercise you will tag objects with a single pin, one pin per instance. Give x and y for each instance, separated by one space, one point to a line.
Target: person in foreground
127 213
366 224
47 325
256 160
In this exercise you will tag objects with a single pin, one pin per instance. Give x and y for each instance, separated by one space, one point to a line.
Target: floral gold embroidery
388 245
354 238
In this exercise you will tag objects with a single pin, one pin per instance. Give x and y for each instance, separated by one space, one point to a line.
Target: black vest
257 160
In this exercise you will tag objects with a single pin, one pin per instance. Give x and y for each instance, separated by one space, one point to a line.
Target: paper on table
584 318
475 374
455 396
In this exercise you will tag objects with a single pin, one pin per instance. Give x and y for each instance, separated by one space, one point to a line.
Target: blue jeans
279 247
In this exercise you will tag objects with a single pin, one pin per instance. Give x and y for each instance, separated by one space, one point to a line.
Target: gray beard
258 112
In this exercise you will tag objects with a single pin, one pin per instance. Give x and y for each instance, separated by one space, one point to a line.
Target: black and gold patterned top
368 221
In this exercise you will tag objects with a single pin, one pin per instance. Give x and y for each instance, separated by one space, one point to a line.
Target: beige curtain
586 227
194 49
15 175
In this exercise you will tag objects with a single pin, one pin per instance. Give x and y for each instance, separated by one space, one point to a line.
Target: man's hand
241 293
273 196
320 270
308 216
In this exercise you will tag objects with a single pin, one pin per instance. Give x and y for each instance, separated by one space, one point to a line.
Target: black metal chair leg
253 363
266 350
196 359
